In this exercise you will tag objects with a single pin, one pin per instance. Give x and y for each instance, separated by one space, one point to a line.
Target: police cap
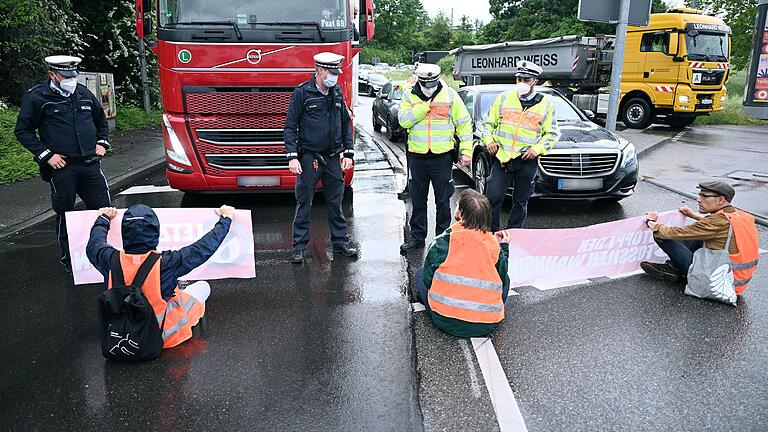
720 188
64 64
330 61
527 69
428 74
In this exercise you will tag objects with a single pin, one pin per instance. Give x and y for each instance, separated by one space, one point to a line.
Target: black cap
718 187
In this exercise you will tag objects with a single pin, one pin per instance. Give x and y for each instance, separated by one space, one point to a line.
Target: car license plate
580 184
706 101
258 181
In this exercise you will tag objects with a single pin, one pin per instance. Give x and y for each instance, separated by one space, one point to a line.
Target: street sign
607 11
755 103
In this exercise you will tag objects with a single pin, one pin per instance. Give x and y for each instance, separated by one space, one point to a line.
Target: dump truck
675 69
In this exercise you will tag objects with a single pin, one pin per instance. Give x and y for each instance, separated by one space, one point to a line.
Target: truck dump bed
568 60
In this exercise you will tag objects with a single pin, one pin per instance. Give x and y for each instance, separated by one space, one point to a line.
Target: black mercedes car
588 162
385 109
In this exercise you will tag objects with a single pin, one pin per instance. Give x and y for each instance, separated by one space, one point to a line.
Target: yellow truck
675 69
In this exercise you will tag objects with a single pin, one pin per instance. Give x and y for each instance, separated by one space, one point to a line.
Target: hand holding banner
178 228
548 258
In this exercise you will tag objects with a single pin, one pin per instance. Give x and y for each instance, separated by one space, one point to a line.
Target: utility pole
144 79
618 63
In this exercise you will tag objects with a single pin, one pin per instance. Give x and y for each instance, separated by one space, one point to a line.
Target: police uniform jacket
317 123
69 126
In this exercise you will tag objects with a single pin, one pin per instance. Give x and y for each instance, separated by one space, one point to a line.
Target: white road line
146 189
504 403
471 367
679 135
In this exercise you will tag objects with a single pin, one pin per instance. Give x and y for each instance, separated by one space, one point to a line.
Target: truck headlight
723 98
684 99
176 152
628 153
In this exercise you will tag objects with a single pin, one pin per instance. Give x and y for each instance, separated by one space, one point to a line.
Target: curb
116 183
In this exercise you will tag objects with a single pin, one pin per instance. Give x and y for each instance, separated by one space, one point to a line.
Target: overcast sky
476 8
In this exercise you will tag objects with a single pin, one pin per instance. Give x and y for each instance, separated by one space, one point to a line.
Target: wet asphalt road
333 344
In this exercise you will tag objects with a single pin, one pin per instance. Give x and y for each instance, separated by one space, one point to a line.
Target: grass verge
131 118
16 162
732 114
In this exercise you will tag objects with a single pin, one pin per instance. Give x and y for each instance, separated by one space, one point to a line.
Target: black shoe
663 272
346 251
404 195
297 257
411 244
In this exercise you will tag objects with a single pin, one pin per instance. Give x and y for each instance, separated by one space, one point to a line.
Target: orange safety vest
743 263
181 312
467 285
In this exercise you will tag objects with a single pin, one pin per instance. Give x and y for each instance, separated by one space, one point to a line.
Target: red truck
227 71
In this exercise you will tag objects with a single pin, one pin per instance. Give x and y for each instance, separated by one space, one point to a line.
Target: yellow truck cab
675 69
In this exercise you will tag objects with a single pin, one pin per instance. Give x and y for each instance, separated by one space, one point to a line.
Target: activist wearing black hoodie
141 233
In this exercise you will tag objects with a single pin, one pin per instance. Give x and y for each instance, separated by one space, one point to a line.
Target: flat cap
64 64
330 61
527 69
718 187
428 74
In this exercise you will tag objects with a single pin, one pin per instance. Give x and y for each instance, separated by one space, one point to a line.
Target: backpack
127 323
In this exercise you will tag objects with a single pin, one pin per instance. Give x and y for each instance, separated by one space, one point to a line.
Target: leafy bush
385 55
131 118
16 162
446 65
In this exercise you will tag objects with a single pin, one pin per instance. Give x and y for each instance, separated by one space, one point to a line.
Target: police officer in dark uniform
318 139
63 124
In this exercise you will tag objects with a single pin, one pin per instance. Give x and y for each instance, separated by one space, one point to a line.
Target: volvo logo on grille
253 56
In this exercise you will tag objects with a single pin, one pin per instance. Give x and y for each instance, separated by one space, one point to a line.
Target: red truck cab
227 72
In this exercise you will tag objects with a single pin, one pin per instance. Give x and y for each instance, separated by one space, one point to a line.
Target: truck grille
710 77
247 161
238 103
709 98
241 136
576 164
271 121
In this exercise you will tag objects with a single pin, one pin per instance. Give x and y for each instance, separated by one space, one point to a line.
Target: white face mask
331 80
428 91
523 88
68 85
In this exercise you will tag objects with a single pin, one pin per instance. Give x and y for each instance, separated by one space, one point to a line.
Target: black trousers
421 172
680 252
521 173
333 190
87 182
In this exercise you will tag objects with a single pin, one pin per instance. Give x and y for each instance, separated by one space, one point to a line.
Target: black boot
297 257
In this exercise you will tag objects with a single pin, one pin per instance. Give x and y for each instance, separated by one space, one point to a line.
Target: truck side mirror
147 25
365 22
674 42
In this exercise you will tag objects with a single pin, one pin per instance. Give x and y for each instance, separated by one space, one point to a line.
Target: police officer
519 127
318 138
63 124
433 114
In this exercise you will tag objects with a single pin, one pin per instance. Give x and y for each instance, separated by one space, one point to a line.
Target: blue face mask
331 80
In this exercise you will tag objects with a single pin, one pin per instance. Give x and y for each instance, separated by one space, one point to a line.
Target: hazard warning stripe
665 89
575 63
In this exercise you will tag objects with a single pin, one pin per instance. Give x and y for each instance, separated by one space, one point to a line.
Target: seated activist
141 233
710 231
464 284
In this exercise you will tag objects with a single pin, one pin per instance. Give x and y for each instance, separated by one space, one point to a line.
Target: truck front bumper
694 102
239 181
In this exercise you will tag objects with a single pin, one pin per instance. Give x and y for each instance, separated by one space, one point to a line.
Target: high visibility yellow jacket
516 129
431 125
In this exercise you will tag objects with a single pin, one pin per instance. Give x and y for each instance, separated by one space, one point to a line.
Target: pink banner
549 258
178 228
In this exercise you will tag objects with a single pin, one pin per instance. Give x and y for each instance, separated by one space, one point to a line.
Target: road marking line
677 137
135 190
504 403
471 367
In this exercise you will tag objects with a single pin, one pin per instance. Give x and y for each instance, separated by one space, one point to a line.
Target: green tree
740 16
437 37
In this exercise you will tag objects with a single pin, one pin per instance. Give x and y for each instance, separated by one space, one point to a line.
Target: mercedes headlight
176 152
628 153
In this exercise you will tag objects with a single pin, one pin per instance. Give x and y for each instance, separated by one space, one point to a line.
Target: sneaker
345 250
663 272
297 257
411 244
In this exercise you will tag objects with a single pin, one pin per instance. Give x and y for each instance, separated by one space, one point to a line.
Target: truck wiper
226 23
314 24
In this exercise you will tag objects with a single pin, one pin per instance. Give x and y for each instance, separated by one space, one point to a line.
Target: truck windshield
707 46
329 14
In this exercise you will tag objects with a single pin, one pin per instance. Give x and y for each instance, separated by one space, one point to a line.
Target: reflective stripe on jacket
181 312
743 263
467 286
516 129
431 125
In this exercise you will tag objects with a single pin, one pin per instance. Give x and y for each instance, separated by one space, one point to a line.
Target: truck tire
376 125
680 122
636 113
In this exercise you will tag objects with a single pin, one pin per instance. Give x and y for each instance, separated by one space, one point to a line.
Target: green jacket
436 255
